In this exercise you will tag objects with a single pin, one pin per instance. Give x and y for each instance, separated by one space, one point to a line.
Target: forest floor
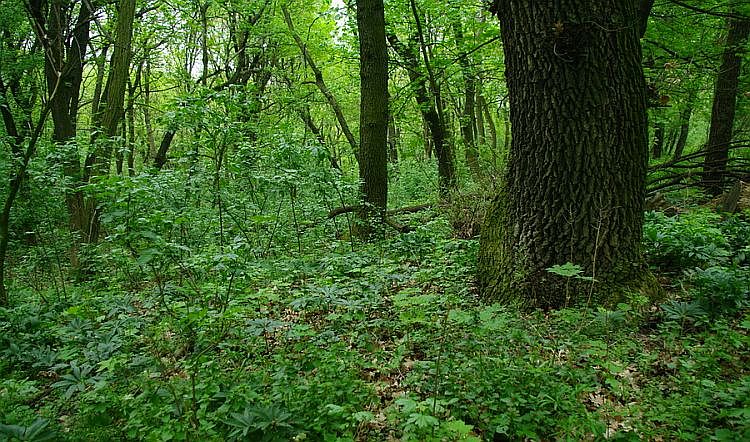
383 342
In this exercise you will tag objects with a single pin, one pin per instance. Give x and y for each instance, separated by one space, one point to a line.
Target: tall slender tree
436 134
373 126
65 40
725 102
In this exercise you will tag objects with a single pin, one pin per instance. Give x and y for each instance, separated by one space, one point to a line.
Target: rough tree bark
373 122
723 110
575 183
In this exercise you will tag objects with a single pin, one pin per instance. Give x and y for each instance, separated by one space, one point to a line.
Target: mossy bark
575 184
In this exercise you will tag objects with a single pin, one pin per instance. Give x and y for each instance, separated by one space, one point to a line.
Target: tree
468 115
575 183
111 112
373 122
320 82
17 102
725 101
65 41
432 113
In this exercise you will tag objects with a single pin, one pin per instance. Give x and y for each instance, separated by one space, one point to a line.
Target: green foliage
683 312
721 290
696 239
569 270
358 345
267 424
36 432
220 305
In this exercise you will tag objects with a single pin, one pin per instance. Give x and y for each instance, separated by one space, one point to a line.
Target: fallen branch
401 228
409 209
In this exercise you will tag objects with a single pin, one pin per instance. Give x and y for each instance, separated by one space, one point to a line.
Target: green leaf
567 270
423 421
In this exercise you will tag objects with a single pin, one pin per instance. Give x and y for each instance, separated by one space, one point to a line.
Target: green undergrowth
384 342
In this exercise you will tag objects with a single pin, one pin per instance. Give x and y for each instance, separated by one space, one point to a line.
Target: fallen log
409 209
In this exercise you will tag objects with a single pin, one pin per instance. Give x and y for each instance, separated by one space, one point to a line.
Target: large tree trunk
373 122
575 184
722 113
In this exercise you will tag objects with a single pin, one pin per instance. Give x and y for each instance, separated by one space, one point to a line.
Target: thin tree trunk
468 117
479 129
111 115
441 144
506 129
101 63
151 142
130 121
204 41
304 113
16 181
490 126
724 106
684 130
658 144
320 82
426 136
63 68
392 140
433 122
160 159
119 152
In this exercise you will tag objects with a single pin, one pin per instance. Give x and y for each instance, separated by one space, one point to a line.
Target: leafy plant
721 290
77 381
684 312
685 241
262 423
36 432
